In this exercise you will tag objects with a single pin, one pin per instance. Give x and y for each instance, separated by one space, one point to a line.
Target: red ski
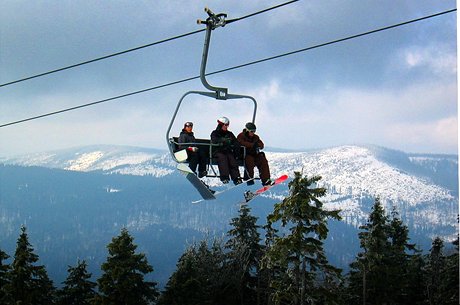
248 195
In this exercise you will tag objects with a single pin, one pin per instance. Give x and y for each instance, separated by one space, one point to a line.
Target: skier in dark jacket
195 155
254 157
225 152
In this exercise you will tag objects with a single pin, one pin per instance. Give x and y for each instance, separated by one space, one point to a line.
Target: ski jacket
253 144
186 137
225 139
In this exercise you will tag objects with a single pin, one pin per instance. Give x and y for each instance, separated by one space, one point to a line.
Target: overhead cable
101 58
263 11
137 48
332 42
230 68
100 101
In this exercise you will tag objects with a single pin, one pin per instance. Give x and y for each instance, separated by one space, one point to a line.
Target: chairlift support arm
212 22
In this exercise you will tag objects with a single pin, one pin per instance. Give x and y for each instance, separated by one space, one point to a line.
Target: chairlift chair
217 93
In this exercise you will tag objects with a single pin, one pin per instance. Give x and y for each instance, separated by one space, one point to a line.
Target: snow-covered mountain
422 188
353 173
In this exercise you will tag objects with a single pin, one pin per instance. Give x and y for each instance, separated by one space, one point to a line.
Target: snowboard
225 190
248 195
200 186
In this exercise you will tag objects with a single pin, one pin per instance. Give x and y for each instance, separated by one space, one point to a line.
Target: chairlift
216 93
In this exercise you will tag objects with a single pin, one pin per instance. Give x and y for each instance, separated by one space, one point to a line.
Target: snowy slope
353 176
346 170
354 170
106 158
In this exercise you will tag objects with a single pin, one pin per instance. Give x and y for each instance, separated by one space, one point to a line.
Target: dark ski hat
187 124
250 126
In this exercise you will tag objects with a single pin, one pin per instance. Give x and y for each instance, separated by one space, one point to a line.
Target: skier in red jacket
254 157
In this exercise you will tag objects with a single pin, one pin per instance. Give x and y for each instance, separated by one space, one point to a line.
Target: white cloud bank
414 118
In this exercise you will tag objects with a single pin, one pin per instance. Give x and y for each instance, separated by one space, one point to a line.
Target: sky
396 88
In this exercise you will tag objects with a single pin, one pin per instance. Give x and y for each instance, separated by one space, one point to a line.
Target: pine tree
44 288
29 284
300 251
270 269
122 281
442 275
183 286
384 271
4 269
369 277
450 285
436 265
78 289
415 289
200 277
399 260
244 255
436 272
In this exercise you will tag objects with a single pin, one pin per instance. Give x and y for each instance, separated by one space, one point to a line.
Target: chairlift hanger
213 22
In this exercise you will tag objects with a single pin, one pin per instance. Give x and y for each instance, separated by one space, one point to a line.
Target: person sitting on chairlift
225 152
254 157
195 156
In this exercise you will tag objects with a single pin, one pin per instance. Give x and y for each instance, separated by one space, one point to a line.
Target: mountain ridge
149 161
80 197
349 173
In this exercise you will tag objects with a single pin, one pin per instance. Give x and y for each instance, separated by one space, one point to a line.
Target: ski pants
199 159
261 162
227 165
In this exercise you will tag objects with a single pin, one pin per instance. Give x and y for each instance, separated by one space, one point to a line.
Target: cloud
417 118
435 137
439 58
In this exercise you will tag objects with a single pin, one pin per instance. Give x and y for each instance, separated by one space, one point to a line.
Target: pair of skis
207 194
248 195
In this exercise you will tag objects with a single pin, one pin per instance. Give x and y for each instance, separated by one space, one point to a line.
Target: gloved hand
192 149
255 145
227 142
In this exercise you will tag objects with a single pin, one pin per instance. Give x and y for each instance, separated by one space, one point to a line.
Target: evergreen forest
280 262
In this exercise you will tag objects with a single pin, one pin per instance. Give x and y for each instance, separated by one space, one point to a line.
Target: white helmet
223 121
